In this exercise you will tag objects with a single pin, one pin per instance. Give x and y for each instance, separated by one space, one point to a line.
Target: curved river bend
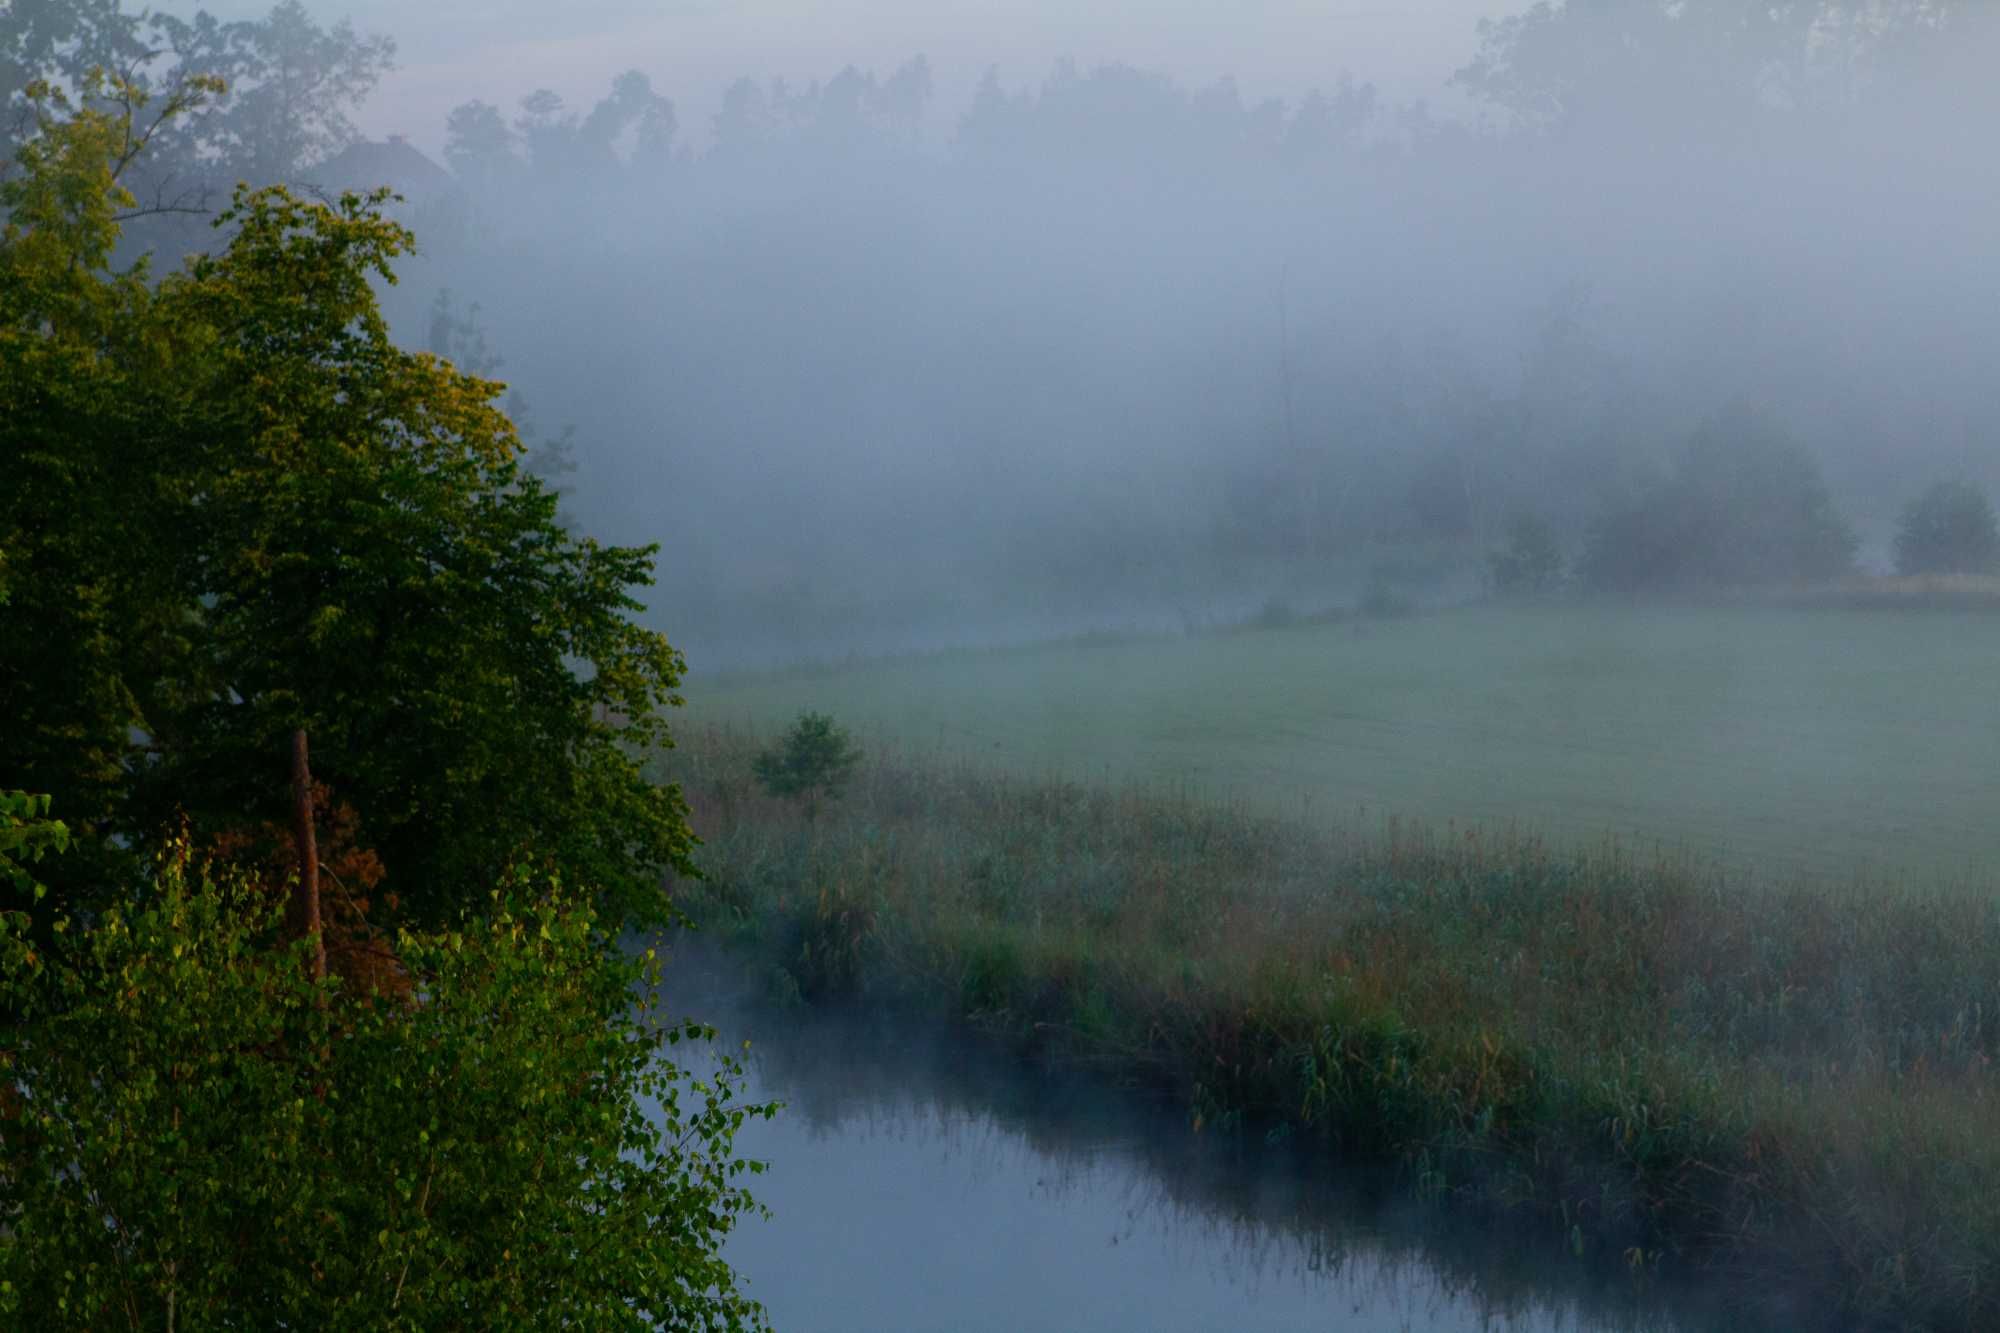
921 1182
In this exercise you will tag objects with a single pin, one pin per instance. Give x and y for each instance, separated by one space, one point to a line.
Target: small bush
1949 529
1276 613
1531 562
1382 602
812 762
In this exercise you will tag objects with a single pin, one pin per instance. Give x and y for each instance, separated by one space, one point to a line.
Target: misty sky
453 50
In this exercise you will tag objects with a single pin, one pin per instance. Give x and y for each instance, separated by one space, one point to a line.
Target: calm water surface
919 1182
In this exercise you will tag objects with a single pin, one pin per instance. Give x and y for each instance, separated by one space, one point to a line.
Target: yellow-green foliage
1793 1082
195 1135
27 834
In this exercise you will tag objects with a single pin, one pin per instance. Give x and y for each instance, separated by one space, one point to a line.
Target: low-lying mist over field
890 358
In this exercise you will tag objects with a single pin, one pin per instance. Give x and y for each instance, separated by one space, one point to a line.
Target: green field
1828 743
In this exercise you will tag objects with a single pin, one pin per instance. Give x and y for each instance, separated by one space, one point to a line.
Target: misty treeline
1097 347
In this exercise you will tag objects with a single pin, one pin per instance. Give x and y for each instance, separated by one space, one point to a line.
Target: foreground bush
1785 1089
195 1135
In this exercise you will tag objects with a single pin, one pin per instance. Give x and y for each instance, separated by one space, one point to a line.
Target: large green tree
235 507
89 449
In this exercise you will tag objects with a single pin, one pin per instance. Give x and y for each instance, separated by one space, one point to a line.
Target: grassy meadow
1833 743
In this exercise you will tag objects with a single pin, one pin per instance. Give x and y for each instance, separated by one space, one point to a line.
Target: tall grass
1790 1087
1909 592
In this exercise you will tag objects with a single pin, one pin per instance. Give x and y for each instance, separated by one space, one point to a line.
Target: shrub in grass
812 762
1383 602
1530 562
1276 613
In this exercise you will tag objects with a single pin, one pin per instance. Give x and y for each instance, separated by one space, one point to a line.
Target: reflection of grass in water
1823 741
1784 1083
1257 1213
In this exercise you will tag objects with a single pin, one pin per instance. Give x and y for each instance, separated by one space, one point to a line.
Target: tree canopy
236 507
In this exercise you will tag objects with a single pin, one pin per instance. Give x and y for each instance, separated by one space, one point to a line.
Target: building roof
393 162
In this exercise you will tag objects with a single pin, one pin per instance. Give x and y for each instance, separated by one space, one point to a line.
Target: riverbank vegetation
1787 1087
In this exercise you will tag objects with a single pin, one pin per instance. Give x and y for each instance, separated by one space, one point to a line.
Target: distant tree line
1741 505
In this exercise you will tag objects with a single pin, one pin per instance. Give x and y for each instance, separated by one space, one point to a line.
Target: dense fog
881 363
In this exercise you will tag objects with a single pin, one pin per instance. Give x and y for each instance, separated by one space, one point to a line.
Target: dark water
922 1182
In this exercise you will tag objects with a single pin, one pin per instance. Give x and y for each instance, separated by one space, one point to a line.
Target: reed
1787 1086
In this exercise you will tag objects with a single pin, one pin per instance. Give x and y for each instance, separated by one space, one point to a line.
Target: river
922 1181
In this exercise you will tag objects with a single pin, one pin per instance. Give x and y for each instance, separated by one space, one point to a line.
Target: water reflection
920 1182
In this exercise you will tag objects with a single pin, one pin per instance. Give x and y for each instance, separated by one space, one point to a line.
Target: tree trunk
305 905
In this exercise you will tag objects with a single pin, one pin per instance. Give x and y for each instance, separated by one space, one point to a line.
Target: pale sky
453 50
